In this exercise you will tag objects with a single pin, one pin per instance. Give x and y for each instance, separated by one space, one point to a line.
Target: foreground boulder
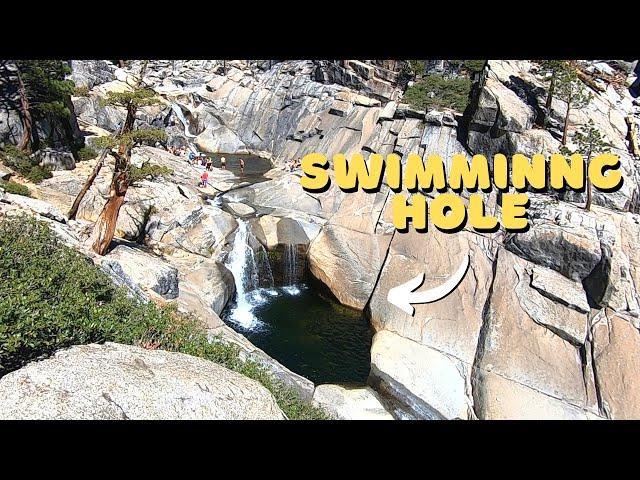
119 382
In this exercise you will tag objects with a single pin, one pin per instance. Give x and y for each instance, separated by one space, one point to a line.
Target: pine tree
554 68
123 141
45 94
105 151
589 142
571 91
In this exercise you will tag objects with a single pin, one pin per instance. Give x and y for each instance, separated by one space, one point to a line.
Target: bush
86 153
437 91
25 165
81 91
51 297
37 173
15 188
148 171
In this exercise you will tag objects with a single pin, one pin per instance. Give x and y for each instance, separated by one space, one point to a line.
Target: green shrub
450 93
148 171
52 297
81 91
37 173
15 188
25 165
86 153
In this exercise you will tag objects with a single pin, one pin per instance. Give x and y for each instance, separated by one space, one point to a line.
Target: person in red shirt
204 179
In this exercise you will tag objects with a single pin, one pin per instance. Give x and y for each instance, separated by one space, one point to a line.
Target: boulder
347 262
452 324
561 237
344 403
145 270
55 159
118 382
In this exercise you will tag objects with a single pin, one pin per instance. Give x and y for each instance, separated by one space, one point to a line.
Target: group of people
208 164
292 165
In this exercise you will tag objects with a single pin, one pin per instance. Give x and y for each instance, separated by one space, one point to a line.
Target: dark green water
311 335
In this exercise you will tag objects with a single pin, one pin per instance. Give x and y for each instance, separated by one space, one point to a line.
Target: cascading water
178 111
241 262
246 268
309 333
291 269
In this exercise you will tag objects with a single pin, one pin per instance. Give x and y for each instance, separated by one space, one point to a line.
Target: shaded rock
116 382
248 351
561 237
55 159
345 403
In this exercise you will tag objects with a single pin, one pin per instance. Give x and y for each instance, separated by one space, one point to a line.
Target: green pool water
309 333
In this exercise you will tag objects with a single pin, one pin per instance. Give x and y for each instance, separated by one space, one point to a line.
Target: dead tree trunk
87 185
27 121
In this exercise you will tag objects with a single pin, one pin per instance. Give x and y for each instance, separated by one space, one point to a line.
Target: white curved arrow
403 295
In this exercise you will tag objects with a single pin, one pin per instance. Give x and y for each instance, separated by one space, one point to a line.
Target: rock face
116 382
616 354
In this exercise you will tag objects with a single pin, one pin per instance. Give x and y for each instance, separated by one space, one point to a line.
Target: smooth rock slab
431 384
119 382
344 403
36 206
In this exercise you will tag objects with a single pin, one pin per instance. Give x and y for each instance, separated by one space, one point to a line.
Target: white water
246 268
291 269
241 262
178 111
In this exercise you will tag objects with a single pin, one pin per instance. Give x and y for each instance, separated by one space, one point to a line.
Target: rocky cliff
544 325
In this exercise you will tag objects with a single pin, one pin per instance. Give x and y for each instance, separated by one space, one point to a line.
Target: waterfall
290 268
242 263
178 111
290 264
